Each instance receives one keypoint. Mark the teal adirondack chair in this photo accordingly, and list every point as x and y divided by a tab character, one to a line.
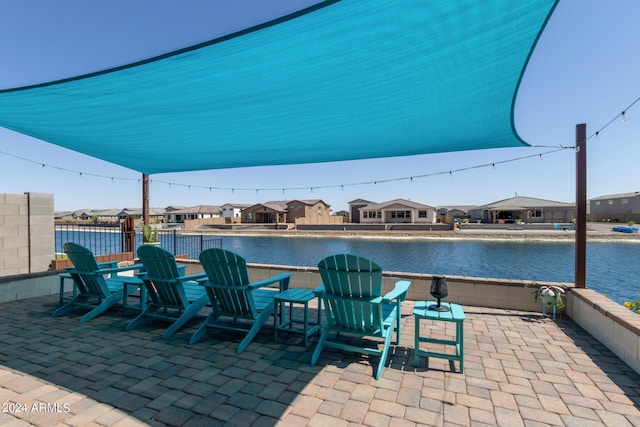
232	295
96	288
172	297
352	294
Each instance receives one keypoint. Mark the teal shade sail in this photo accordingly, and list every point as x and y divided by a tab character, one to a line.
344	80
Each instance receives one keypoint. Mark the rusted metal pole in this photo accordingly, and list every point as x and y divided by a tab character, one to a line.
145	198
581	206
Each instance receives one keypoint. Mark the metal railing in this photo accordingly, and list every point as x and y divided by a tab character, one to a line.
104	240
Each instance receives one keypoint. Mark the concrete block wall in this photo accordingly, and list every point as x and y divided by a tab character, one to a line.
481	292
13	288
27	241
615	326
474	291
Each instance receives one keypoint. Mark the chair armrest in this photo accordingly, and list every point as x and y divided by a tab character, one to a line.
399	292
283	278
108	264
319	290
119	269
192	277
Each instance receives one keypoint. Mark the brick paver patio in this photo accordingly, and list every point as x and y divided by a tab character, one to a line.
520	370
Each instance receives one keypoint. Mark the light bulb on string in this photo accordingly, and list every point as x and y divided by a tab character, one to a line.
598	135
624	116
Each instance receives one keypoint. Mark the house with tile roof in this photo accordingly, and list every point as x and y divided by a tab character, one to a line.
524	209
194	212
398	211
285	211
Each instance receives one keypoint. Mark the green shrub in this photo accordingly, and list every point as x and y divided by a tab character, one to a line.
149	234
633	306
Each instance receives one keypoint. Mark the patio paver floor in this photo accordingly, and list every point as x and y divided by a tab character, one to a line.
520	370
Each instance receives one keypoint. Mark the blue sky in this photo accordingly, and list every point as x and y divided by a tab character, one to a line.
584	70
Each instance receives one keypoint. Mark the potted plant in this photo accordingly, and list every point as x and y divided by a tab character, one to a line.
550	296
149	235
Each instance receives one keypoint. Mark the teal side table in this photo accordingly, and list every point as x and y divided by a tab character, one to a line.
282	323
421	312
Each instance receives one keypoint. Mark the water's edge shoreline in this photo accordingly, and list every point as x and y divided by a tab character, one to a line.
593	235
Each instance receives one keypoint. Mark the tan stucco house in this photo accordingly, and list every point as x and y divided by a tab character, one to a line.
398	211
194	212
524	209
285	211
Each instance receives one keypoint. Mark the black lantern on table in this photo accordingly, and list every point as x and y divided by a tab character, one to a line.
439	290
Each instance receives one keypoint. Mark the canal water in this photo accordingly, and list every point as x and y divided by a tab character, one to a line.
613	267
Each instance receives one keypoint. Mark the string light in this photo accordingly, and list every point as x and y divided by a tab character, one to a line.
622	115
284	189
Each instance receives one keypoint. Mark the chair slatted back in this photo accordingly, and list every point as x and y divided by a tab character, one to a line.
162	273
351	283
84	272
227	271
